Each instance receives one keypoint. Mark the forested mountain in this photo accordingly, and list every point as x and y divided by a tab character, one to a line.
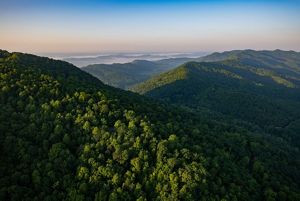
126	75
258	87
66	136
276	59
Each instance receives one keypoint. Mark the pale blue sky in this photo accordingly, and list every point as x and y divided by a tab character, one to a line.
164	26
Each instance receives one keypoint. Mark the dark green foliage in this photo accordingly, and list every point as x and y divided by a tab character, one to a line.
66	136
246	87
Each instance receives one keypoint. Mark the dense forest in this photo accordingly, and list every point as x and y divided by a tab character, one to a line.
261	88
66	136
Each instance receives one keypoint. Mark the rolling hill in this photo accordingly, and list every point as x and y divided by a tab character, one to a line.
65	135
277	59
262	88
126	75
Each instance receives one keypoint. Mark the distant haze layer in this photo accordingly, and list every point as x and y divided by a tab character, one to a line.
84	60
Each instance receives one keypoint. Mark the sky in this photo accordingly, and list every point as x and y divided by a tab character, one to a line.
86	26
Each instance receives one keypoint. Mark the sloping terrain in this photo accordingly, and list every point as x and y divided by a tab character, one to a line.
283	61
64	135
126	75
249	88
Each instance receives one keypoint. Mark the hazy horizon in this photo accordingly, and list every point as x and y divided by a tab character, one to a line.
84	27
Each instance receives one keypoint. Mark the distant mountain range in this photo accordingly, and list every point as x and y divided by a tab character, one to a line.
127	75
112	58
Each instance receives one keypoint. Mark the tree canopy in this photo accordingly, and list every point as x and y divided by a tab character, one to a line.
66	136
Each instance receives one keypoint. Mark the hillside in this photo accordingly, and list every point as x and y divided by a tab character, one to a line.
248	88
65	135
283	61
126	75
